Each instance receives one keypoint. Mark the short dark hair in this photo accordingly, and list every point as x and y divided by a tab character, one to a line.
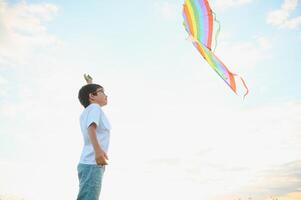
83	94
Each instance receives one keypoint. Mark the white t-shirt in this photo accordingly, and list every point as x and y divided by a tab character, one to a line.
94	113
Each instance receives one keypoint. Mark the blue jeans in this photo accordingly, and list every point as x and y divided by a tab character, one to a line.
90	179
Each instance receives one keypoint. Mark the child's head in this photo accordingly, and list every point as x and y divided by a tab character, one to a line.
92	93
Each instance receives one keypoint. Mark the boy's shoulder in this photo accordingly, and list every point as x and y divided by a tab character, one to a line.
93	106
92	109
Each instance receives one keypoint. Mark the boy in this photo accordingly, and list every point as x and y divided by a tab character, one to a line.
95	129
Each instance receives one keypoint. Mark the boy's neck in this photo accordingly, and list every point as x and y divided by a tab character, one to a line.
91	102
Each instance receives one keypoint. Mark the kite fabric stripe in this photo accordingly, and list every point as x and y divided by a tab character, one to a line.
198	22
217	65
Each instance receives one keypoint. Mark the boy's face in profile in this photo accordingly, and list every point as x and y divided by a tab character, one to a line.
99	97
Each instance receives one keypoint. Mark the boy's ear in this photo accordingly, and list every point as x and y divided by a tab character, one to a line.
91	96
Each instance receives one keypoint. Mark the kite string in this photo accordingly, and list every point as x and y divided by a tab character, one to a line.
244	84
217	32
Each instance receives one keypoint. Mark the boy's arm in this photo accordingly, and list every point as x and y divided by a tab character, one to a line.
100	155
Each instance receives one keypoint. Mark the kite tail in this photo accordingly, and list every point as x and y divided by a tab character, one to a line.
244	84
217	32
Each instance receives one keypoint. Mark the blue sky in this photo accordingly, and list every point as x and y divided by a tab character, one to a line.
177	127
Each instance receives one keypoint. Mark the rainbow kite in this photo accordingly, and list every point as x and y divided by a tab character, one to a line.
198	22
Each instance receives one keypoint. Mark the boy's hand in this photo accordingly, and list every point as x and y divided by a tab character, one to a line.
88	78
101	157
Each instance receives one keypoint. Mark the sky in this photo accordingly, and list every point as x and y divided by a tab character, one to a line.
178	131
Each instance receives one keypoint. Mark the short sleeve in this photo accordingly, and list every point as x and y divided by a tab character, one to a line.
93	116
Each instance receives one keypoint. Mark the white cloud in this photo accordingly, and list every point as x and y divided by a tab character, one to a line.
3	86
10	197
213	156
223	4
278	180
293	23
167	10
290	196
250	53
23	30
251	147
280	17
